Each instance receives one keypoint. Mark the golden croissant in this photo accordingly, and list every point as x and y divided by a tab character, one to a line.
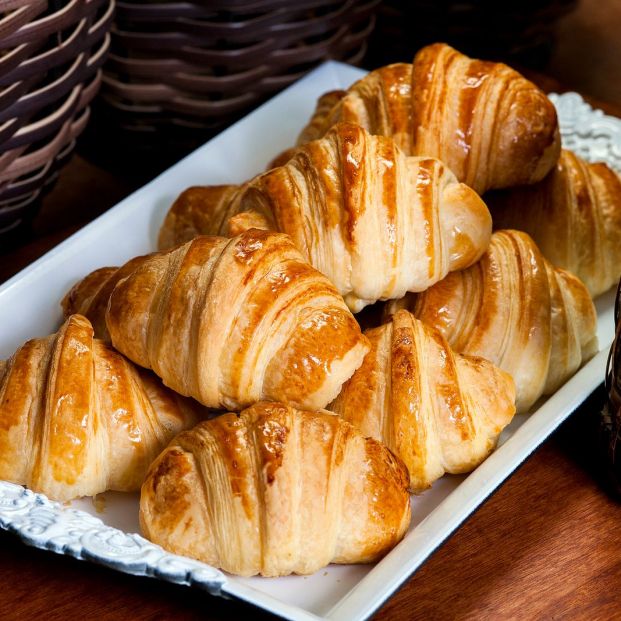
376	222
315	128
90	296
574	216
534	321
275	491
77	419
491	126
234	321
437	410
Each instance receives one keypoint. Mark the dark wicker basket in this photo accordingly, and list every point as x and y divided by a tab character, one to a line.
50	59
611	419
180	71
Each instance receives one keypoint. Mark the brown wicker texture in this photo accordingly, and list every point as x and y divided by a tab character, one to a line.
613	369
50	59
611	419
201	64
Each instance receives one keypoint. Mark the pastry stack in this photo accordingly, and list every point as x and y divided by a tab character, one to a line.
227	374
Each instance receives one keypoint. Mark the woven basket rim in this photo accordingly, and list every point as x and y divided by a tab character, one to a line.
158	59
46	87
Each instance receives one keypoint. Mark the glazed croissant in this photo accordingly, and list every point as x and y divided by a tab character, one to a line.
315	128
375	222
437	410
90	296
202	210
534	321
77	419
490	125
275	491
574	216
234	321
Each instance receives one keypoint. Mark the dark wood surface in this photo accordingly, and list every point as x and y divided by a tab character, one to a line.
544	546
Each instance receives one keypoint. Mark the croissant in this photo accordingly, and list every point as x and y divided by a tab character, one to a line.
275	491
77	419
375	222
491	126
574	216
190	217
313	129
534	321
437	410
234	321
90	296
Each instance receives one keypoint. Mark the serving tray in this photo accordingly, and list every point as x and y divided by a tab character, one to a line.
104	530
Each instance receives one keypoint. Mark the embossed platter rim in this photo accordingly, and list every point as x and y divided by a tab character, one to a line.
29	307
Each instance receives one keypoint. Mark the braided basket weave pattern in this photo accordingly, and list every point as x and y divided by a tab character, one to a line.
202	64
50	69
611	421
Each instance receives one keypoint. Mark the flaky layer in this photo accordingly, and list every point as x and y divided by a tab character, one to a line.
437	410
77	419
234	321
513	308
376	222
275	491
89	297
574	216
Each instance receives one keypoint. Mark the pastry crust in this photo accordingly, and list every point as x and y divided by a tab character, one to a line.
532	320
437	410
275	491
233	321
574	216
375	222
188	217
89	297
491	126
313	129
77	419
505	132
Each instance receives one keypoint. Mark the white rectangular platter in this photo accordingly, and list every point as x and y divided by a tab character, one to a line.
29	307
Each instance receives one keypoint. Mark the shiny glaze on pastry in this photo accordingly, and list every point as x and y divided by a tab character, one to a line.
77	419
491	126
89	297
325	103
437	410
233	321
275	491
534	321
376	222
574	216
188	218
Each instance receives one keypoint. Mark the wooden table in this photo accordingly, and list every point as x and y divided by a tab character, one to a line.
544	546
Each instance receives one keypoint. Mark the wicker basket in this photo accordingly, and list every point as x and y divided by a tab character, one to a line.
50	59
187	69
611	419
